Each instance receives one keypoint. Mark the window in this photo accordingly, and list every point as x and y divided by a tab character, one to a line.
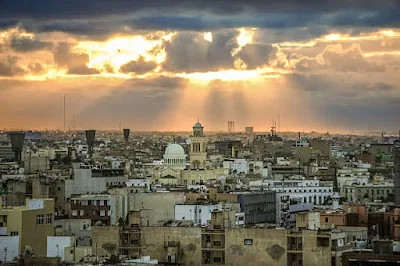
15	233
326	219
248	242
40	219
216	259
49	218
217	243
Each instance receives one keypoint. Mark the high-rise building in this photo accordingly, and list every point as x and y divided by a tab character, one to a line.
396	170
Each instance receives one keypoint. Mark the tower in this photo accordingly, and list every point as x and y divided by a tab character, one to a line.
17	143
90	139
198	147
126	134
231	126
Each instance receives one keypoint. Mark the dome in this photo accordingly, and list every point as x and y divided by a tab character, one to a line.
174	149
198	125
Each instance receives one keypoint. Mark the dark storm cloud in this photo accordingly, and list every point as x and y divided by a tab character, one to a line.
189	52
76	63
9	67
25	44
141	101
100	18
46	9
139	66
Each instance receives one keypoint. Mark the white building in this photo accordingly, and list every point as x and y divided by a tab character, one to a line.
175	157
242	166
201	214
295	195
348	176
9	247
87	180
56	245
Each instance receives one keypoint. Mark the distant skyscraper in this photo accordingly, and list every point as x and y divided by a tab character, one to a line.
396	158
231	126
248	130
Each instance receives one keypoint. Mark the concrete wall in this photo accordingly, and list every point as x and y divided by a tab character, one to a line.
153	239
313	253
155	207
104	235
268	248
56	245
12	245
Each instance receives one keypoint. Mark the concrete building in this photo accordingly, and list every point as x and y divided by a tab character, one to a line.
6	151
201	214
9	248
34	163
396	170
155	208
258	207
105	208
56	245
90	180
350	175
79	228
198	145
360	192
33	223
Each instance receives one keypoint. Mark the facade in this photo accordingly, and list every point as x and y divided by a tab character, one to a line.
105	208
33	223
396	170
87	180
155	208
6	150
198	145
80	228
201	214
357	192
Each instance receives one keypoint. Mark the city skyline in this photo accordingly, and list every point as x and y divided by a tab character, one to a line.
159	65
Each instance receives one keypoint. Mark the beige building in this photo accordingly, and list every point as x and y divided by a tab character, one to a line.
198	148
33	223
155	208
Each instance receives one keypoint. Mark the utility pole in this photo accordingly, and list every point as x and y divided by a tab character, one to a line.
64	112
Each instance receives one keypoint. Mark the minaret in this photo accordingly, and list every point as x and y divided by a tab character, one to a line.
198	147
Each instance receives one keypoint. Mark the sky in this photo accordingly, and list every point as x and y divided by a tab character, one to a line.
162	65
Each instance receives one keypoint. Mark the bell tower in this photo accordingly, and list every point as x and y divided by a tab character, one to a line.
198	147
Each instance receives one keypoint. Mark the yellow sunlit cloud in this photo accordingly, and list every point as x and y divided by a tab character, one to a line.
207	36
245	37
120	50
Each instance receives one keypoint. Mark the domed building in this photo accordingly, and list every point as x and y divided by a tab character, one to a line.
175	157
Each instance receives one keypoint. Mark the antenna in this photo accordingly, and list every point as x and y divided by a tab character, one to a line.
64	112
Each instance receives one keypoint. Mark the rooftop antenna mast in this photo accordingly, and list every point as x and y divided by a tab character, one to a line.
64	112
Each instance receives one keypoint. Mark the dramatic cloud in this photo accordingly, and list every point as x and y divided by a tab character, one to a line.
25	44
190	52
76	63
9	67
162	64
139	66
338	59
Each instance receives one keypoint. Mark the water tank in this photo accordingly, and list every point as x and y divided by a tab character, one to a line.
90	138
17	143
126	134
